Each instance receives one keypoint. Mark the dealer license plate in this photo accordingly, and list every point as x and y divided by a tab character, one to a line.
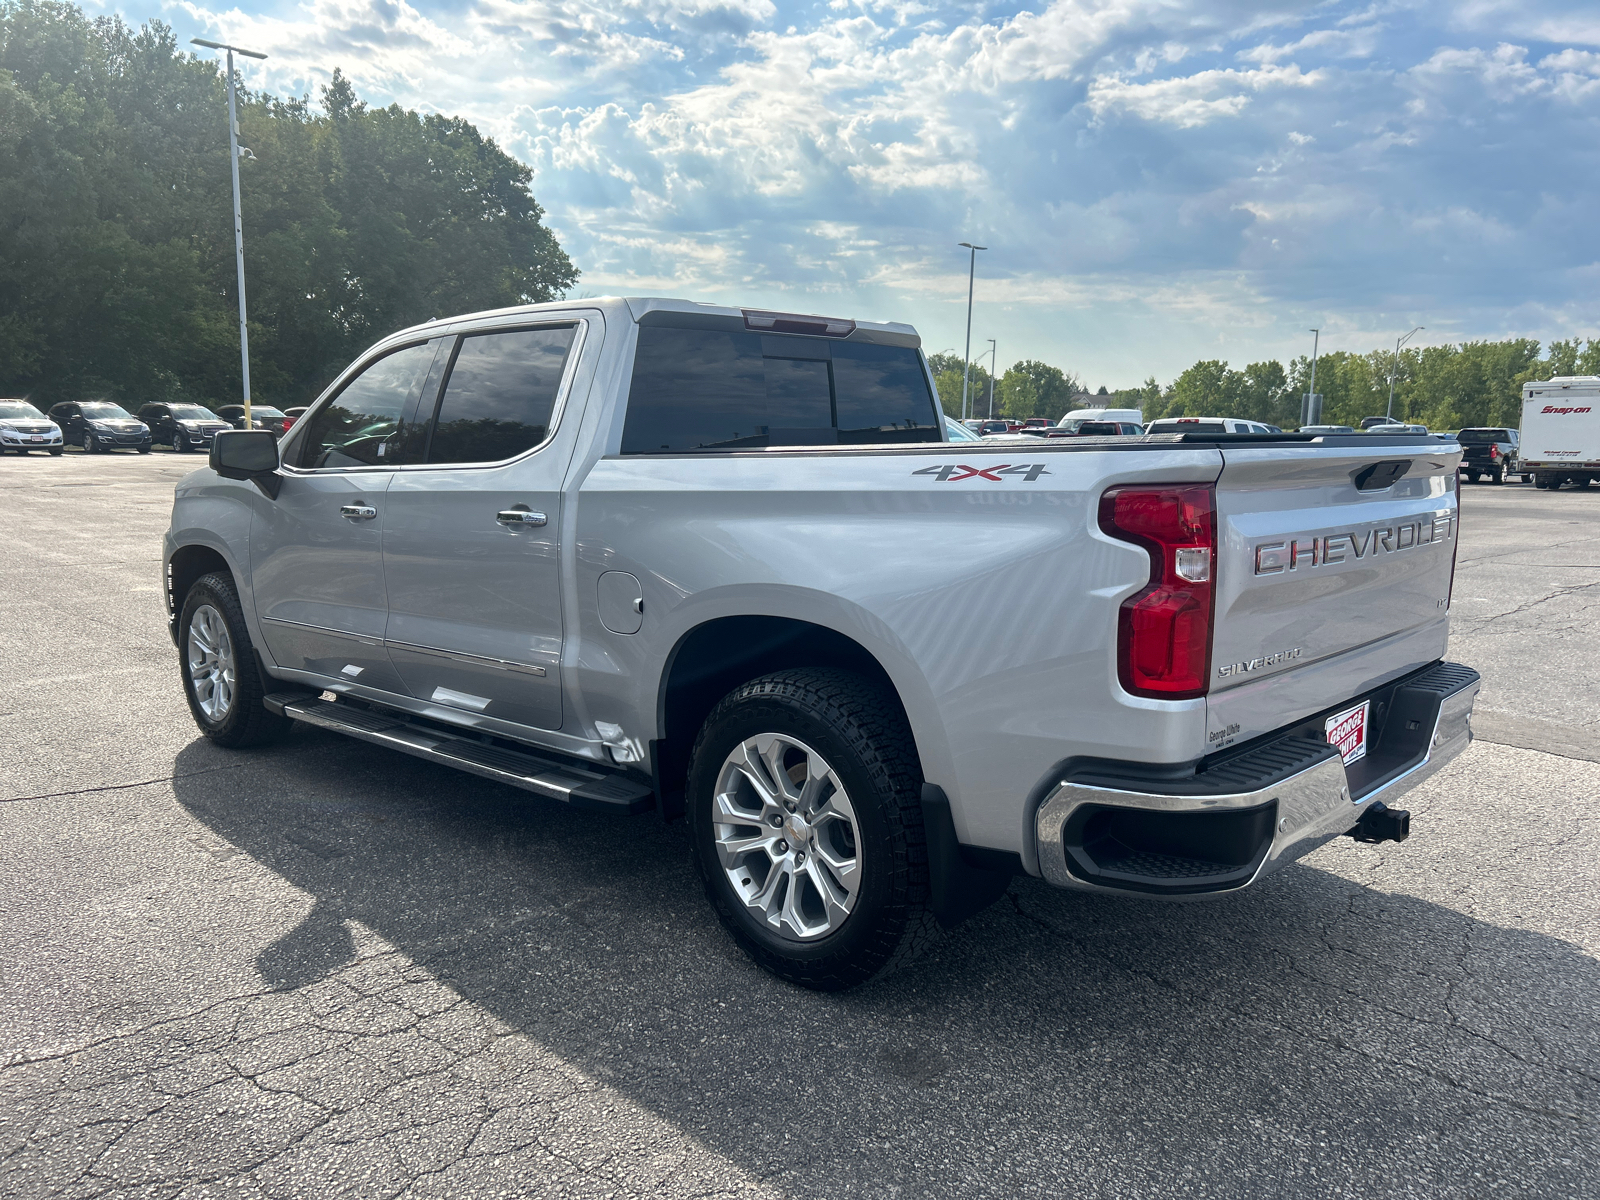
38	437
1347	732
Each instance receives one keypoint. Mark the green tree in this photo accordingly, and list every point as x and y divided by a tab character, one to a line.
1036	389
1019	395
1207	389
1146	399
116	243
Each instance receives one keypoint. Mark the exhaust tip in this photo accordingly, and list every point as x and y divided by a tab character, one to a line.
1380	823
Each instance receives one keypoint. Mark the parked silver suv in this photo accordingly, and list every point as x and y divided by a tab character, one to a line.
724	563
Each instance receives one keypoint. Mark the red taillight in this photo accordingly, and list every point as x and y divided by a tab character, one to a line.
1164	634
1494	453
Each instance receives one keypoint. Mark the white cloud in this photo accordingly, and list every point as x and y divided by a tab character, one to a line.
1193	100
1155	176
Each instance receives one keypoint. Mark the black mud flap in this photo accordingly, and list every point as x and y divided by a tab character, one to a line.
960	889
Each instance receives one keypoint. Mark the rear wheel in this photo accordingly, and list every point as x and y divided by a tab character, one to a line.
221	680
1497	477
805	814
1474	476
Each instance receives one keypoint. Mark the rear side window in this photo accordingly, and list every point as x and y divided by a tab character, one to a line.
500	394
696	389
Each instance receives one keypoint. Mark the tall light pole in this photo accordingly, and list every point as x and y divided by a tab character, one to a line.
238	218
966	366
1311	396
1395	366
994	369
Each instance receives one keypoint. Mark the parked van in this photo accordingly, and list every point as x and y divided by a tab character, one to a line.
1561	431
1078	416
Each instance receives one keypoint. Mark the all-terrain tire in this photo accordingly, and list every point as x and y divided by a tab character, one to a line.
247	721
861	732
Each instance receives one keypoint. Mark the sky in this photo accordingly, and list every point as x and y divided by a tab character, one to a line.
1156	182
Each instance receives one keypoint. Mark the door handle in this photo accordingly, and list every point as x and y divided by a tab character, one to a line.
520	516
358	512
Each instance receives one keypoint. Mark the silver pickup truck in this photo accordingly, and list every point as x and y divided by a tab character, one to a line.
724	564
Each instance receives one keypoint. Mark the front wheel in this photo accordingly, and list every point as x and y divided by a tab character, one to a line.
220	677
55	451
805	815
91	444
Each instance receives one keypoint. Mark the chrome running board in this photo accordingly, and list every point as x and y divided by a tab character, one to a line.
566	782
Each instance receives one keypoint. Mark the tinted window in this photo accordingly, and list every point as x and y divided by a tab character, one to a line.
883	394
1483	436
500	394
702	389
1182	426
354	429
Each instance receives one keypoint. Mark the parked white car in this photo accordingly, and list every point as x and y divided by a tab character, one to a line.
23	427
1207	425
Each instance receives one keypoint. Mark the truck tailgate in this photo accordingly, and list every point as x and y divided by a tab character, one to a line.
1333	574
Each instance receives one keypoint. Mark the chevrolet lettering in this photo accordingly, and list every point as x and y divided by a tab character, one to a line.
727	565
1318	550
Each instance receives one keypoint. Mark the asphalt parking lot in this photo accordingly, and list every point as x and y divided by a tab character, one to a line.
328	969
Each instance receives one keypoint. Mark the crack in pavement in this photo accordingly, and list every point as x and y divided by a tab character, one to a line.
1332	1040
120	787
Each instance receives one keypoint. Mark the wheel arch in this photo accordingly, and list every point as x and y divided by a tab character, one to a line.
186	565
715	656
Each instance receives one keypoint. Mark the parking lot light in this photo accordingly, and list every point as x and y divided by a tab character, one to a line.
1394	367
238	220
966	366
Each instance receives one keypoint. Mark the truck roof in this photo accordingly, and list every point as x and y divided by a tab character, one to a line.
1562	383
642	309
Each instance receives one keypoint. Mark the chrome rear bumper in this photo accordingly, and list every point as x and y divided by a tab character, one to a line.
1239	817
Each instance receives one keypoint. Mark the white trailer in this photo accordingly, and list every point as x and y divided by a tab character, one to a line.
1560	440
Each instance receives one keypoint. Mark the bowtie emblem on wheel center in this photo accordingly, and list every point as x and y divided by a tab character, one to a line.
799	832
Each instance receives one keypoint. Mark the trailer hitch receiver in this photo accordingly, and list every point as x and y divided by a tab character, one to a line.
1380	823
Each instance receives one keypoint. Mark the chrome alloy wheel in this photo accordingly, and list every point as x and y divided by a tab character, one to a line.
786	836
211	665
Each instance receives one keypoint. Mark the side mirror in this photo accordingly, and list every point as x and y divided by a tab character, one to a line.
247	454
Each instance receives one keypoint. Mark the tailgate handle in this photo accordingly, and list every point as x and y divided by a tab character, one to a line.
1380	475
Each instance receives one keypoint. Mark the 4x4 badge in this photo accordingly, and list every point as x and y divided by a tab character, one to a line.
947	474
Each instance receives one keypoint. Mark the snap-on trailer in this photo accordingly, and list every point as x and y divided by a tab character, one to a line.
1561	430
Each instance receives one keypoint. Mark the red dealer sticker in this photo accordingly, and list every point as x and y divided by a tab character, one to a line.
1347	732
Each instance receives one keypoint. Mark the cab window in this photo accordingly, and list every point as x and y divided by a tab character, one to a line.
356	427
500	395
